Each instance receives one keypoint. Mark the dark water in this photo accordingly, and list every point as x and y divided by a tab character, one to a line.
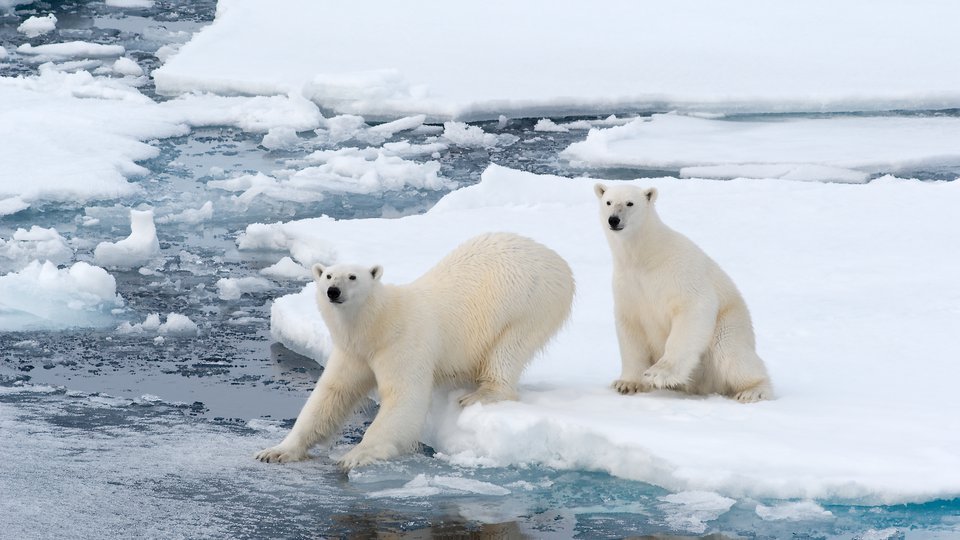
118	435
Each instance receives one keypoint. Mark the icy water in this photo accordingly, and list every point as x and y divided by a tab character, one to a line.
123	435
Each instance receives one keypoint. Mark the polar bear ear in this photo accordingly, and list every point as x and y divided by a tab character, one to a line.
317	271
651	194
376	272
599	189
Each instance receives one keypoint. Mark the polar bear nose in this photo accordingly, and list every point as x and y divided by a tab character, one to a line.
333	293
614	221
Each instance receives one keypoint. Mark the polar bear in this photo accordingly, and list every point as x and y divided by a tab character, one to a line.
478	316
681	322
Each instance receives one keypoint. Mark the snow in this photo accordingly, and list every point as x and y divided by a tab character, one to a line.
793	511
37	26
135	250
42	296
853	296
839	149
234	288
57	145
746	56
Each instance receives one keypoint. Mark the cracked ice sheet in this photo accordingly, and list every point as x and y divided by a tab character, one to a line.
853	294
838	149
472	60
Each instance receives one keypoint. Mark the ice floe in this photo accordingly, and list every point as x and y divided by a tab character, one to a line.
839	149
37	26
749	56
847	284
135	250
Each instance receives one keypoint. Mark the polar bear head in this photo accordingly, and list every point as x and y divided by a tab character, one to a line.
624	206
345	284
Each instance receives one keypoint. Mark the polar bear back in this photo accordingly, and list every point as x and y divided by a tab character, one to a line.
490	284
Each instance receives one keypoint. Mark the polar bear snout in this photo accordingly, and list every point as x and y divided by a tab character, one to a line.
333	293
614	222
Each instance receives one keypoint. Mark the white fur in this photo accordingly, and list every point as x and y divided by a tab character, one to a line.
681	321
478	316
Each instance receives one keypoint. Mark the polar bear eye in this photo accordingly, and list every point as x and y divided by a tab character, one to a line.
629	204
353	277
329	276
608	203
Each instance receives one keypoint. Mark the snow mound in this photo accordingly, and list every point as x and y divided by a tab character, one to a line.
44	297
746	56
135	250
869	288
37	26
286	268
839	149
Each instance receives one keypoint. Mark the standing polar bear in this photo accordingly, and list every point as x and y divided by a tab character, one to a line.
479	315
681	321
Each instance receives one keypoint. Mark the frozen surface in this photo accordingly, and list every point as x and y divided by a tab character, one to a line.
746	55
42	296
135	250
71	49
838	149
868	289
37	26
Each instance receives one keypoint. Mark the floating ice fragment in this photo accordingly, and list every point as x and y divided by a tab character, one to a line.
793	511
280	138
546	124
175	325
190	216
36	244
690	510
234	288
127	67
467	136
72	49
134	250
286	268
132	4
37	26
41	296
423	486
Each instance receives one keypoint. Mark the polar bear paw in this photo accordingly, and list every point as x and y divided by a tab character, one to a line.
365	455
752	395
625	386
281	454
487	395
658	376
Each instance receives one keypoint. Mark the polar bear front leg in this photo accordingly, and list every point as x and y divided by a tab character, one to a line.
691	331
404	401
635	357
340	387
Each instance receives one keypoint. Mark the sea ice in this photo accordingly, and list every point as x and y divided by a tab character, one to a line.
135	250
37	243
133	4
793	511
127	67
690	510
190	216
42	296
234	288
286	268
748	56
175	325
839	149
71	49
846	285
37	26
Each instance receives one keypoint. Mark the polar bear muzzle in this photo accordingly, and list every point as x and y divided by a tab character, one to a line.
333	293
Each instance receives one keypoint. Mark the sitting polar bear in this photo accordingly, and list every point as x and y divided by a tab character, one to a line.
479	315
681	321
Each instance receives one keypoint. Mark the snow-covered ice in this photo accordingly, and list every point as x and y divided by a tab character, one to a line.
176	324
839	149
847	284
286	268
538	58
71	49
37	26
37	243
130	4
234	288
135	250
793	511
42	296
